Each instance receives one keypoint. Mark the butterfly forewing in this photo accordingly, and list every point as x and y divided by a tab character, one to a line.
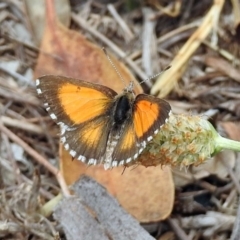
88	141
149	114
72	101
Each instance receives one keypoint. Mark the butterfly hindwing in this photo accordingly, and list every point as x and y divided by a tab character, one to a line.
88	141
126	147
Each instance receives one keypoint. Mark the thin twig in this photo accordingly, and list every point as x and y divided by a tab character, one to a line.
177	229
15	167
149	49
21	124
17	76
84	25
232	175
128	35
38	158
16	96
170	78
236	228
46	130
177	31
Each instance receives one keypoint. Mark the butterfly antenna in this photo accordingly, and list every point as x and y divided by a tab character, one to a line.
150	78
113	65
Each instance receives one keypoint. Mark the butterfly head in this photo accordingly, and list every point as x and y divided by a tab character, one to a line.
128	90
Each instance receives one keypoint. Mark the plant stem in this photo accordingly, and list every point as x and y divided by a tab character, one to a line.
224	143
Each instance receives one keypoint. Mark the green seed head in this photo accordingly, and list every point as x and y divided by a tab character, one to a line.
183	140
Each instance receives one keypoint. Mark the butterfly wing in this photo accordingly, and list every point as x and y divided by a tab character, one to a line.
81	109
148	115
127	146
73	101
88	142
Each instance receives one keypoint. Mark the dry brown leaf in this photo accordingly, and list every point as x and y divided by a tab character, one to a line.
167	236
36	14
223	66
236	11
66	52
232	129
147	193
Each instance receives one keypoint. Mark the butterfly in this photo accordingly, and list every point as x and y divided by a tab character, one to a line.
97	124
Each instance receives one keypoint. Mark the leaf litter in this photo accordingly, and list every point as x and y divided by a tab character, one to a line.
204	79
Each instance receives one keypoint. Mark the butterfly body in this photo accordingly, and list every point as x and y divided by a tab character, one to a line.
97	124
122	109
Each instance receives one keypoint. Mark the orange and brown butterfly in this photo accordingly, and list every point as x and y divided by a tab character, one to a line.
97	124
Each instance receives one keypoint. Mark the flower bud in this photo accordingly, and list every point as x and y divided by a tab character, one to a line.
183	140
